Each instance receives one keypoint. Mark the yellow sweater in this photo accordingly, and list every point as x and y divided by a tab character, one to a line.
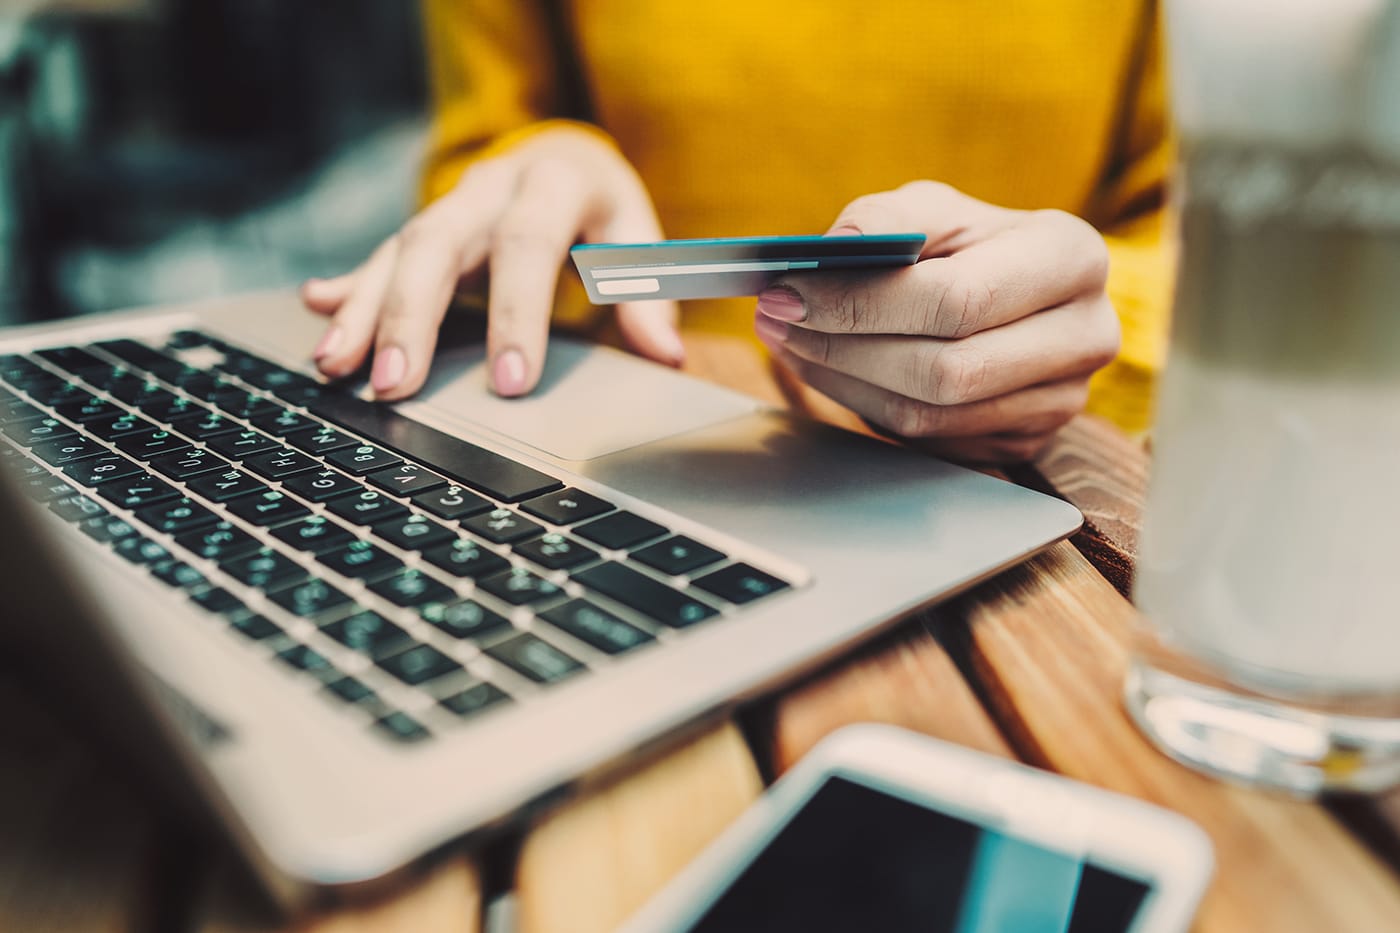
747	118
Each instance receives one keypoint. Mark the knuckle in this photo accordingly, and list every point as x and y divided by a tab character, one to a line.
910	417
1017	449
928	188
957	375
962	307
1090	248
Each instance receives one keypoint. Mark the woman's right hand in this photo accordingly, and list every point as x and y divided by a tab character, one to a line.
514	216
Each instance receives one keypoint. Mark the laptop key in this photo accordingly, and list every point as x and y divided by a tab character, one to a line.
140	356
193	461
74	359
620	530
264	568
44	488
361	560
137	492
322	486
321	441
205	425
519	586
103	468
677	555
465	558
240	403
31	432
463	618
402	727
178	574
105	529
282	422
536	659
219	600
349	689
418	664
474	699
413	532
566	506
406	479
267	509
315	534
502	526
369	507
141	550
68	450
649	597
740	583
308	659
362	459
87	408
178	517
459	460
226	485
594	625
369	633
556	552
452	503
280	463
150	444
412	588
219	542
168	408
256	627
309	597
123	425
242	444
75	508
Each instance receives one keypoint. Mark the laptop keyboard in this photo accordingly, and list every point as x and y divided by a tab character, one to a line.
416	580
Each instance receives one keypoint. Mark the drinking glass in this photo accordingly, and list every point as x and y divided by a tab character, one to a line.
1269	577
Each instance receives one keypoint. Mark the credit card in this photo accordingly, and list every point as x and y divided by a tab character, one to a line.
729	266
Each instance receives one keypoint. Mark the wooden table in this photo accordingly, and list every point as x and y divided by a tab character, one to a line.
1028	665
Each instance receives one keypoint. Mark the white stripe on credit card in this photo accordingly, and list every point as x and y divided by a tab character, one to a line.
781	265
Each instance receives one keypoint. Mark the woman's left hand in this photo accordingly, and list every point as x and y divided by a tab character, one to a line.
981	350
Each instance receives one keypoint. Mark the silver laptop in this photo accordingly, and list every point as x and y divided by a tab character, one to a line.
359	633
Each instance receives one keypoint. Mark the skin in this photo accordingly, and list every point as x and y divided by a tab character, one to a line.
978	352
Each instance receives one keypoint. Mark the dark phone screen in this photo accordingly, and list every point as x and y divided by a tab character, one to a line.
858	859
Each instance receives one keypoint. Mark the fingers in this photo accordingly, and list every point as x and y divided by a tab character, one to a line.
1030	411
1044	259
348	339
528	249
949	219
1069	341
436	249
325	296
649	327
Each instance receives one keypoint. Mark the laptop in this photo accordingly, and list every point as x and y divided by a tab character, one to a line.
355	634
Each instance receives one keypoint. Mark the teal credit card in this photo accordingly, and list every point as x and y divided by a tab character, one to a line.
725	267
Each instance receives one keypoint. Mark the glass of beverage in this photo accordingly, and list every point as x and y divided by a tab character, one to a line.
1269	577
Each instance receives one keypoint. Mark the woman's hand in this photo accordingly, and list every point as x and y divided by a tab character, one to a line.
514	216
981	350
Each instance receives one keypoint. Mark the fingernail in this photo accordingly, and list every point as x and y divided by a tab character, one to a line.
390	365
782	303
329	341
508	373
770	330
844	230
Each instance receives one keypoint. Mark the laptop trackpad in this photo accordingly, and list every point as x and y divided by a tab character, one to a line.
591	401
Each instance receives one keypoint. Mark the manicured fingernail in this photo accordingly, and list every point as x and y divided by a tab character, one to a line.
844	230
770	330
508	373
329	341
782	303
390	365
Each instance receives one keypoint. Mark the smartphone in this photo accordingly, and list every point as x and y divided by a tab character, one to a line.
878	828
725	267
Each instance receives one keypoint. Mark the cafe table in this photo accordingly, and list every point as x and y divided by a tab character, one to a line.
1028	665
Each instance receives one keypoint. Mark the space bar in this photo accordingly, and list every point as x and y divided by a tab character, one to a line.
466	463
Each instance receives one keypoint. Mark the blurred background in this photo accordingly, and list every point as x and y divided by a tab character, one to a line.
162	150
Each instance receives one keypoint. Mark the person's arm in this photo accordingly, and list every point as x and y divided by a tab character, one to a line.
1131	211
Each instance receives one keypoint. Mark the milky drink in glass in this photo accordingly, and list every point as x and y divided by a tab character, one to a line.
1270	571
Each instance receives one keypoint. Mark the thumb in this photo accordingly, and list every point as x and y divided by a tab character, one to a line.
949	220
